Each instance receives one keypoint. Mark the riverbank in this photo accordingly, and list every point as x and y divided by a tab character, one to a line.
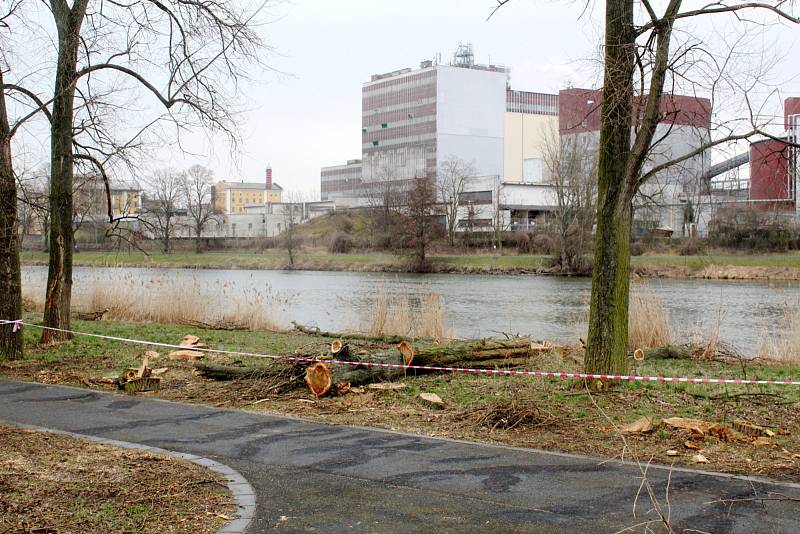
549	414
720	267
99	488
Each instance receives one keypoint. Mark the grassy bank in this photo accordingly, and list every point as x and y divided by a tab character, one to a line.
722	266
55	483
541	413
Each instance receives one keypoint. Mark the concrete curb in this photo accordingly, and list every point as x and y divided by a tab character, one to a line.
244	496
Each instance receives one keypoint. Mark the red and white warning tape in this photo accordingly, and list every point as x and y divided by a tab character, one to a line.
511	372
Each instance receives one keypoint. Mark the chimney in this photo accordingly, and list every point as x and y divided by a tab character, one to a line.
269	177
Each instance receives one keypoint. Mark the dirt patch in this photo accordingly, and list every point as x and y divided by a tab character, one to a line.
51	483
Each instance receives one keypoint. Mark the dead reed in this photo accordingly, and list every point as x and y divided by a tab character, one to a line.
783	346
413	316
163	299
648	320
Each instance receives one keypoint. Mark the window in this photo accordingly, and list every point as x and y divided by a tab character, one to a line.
475	197
375	143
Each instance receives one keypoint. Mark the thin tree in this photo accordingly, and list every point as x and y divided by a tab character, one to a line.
454	173
196	189
162	206
572	168
10	275
292	216
182	53
420	210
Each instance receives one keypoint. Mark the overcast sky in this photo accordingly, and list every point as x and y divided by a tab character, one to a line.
307	112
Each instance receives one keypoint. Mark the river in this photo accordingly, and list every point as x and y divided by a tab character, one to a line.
551	308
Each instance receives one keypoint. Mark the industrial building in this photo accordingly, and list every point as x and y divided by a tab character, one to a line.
413	120
231	197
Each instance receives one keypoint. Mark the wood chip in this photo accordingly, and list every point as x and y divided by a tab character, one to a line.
699	459
761	441
641	425
185	355
387	386
672	452
691	445
432	400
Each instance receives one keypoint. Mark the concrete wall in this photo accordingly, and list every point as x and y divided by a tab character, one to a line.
527	137
470	117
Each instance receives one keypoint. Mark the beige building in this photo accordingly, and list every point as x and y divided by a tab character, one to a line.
531	125
232	197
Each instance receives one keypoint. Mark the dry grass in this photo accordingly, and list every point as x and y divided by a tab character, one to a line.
53	483
163	299
411	316
785	345
648	320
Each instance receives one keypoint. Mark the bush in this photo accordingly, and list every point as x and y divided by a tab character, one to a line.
750	228
692	247
638	248
537	242
341	243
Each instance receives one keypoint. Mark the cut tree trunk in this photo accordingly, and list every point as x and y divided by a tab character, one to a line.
10	281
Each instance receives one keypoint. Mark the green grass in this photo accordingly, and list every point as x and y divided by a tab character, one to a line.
378	261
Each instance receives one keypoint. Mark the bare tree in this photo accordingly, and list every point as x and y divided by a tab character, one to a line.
420	210
10	275
385	194
572	166
196	189
162	207
453	176
180	53
292	216
642	58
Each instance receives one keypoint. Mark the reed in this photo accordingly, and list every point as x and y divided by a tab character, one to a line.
783	346
412	316
648	320
162	299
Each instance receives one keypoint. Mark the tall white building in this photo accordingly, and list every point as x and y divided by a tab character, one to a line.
413	120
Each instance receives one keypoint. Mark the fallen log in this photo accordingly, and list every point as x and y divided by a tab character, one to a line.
215	371
315	331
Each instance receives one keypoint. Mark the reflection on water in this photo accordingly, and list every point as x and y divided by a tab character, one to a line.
478	305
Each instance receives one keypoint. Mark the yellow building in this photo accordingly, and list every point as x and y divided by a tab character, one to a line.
232	197
531	130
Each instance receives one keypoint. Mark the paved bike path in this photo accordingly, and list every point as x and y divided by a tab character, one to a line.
315	477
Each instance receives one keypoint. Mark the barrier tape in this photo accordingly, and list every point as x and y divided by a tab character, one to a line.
507	372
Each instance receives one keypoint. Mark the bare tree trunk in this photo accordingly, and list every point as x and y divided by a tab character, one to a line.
197	248
608	316
59	276
10	279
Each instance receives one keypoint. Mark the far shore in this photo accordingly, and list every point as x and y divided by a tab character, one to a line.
716	267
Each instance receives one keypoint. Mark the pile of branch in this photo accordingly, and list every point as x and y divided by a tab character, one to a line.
140	379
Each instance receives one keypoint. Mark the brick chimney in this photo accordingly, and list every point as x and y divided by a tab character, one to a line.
269	177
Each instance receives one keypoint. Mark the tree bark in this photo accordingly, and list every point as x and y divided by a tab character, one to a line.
608	314
10	279
59	276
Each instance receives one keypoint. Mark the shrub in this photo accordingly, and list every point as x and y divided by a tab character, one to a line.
692	247
537	242
638	248
341	243
750	228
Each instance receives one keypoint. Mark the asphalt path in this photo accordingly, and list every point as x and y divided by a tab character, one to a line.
316	477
